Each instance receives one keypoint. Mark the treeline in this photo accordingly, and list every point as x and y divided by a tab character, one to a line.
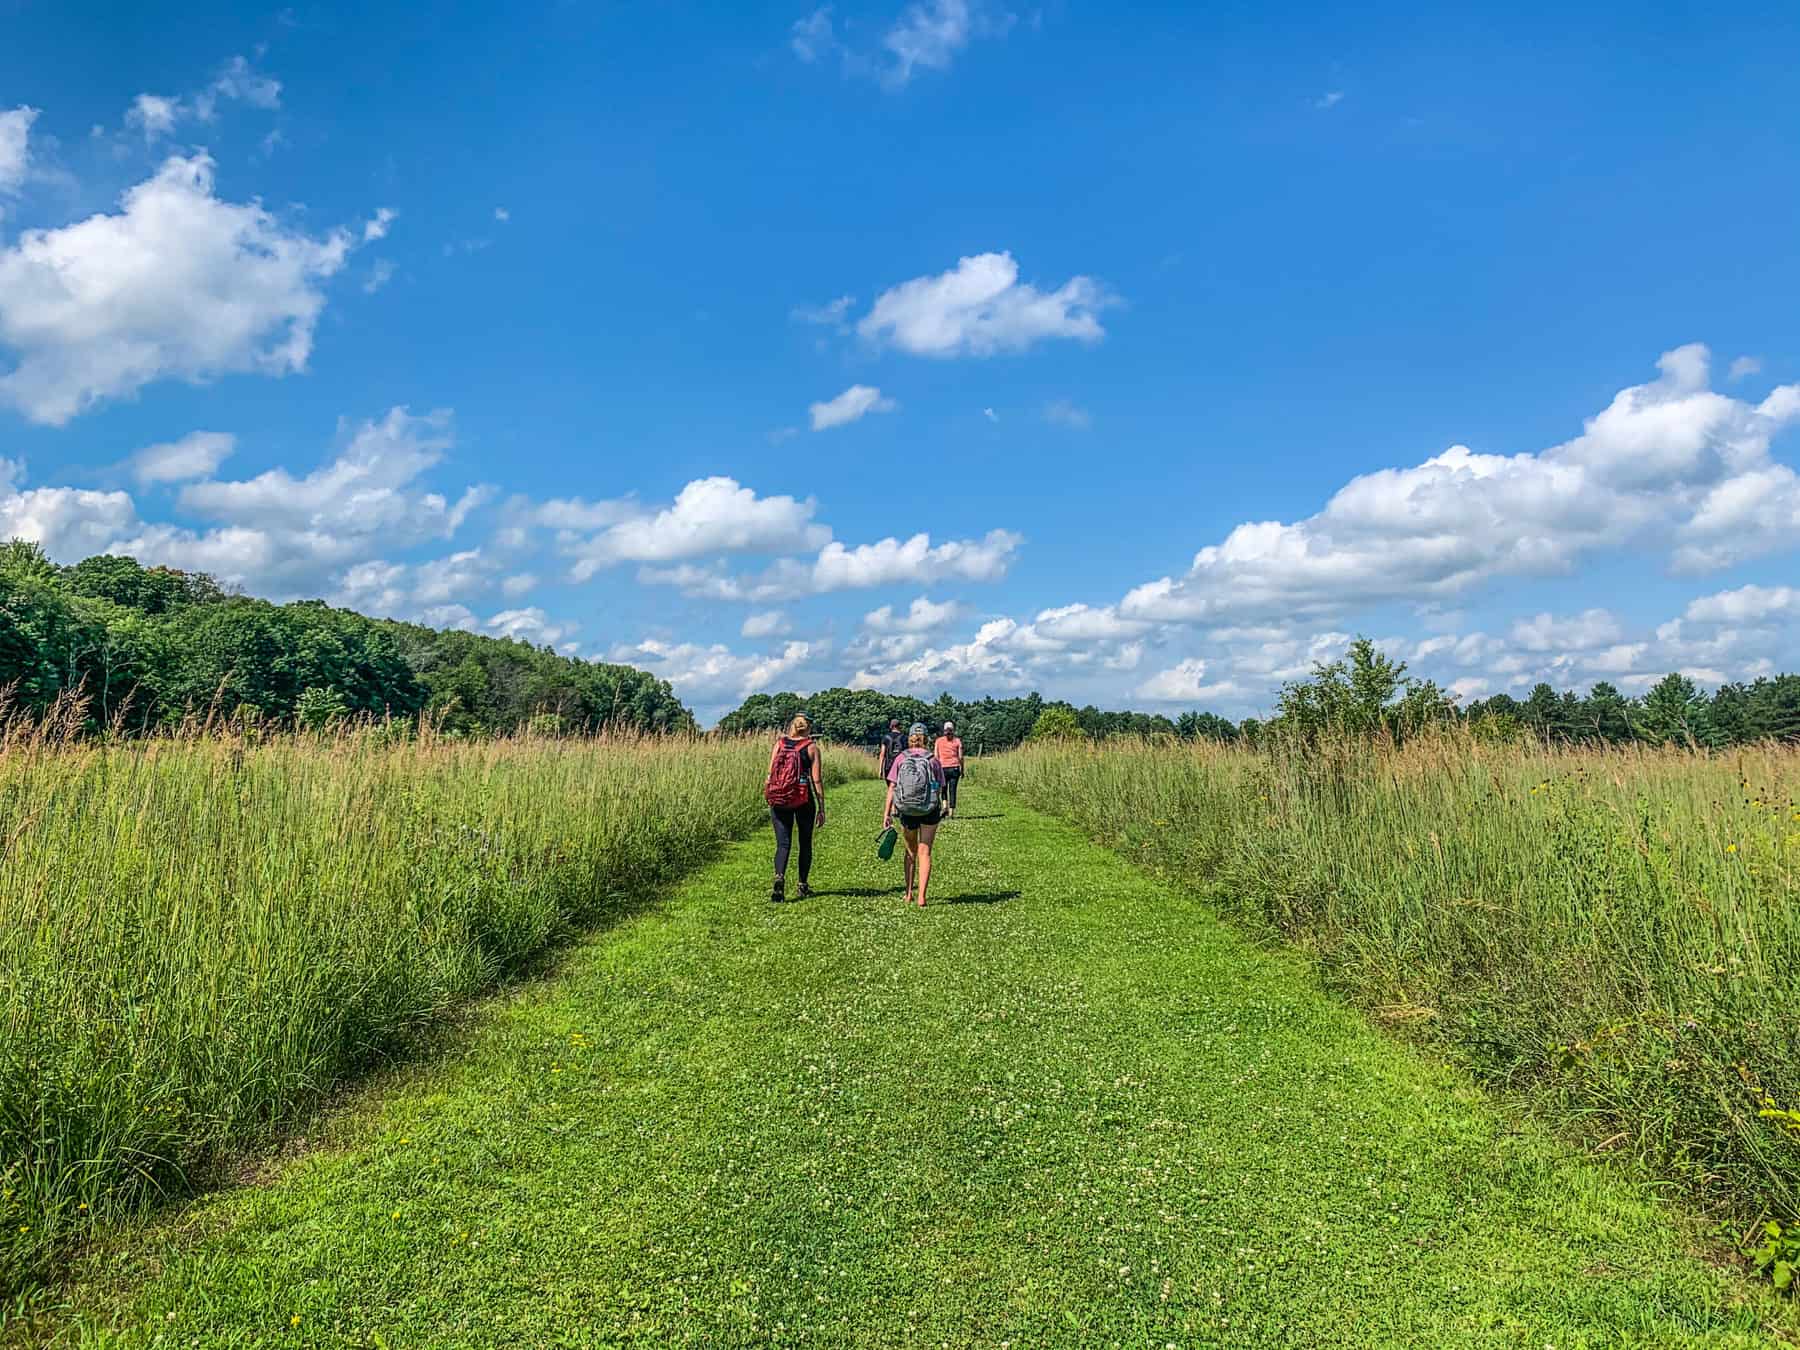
1364	693
1367	692
860	717
1674	709
149	647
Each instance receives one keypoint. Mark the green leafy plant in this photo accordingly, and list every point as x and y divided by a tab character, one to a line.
1779	1255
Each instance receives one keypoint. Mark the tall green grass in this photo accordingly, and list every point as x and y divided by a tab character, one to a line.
199	938
1616	932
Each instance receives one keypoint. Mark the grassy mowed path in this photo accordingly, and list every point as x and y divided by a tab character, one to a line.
1063	1105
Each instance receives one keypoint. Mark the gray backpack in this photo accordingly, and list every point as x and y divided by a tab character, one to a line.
915	786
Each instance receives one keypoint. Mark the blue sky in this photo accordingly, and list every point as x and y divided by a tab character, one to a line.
938	345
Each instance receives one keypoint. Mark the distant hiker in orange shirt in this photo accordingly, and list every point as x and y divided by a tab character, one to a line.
948	752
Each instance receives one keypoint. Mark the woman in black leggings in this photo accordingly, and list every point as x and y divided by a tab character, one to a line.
806	817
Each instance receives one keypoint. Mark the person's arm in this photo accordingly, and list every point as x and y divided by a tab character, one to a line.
818	782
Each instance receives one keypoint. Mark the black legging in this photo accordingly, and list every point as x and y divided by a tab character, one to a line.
785	818
951	778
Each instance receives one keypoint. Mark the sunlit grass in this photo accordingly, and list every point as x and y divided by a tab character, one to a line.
1061	1106
198	938
1618	932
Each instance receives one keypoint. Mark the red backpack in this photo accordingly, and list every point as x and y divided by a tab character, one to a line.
787	785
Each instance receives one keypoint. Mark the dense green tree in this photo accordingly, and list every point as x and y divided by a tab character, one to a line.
1775	708
24	560
1608	712
1728	715
1363	693
1674	712
151	646
1543	713
1191	726
1057	722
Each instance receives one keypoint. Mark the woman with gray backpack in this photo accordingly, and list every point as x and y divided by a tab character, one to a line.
915	797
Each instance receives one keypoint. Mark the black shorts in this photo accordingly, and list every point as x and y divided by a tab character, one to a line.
913	822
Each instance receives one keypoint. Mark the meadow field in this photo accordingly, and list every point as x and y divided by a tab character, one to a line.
1616	933
688	1129
200	938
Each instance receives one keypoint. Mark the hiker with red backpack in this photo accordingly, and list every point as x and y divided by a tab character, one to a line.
915	796
795	792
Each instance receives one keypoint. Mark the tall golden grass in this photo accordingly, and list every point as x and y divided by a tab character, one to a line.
201	936
1617	932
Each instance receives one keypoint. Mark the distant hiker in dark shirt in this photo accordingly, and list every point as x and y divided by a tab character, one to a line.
795	792
892	745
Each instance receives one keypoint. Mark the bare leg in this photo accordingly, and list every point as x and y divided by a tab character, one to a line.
927	833
912	859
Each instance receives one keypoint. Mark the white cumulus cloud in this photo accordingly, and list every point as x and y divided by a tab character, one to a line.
854	403
812	38
927	35
1746	605
980	308
764	623
1670	460
178	284
1185	682
531	625
157	115
924	615
840	567
378	225
709	516
891	561
701	672
196	455
278	534
15	146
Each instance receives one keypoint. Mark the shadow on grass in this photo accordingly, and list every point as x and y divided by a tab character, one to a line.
979	898
970	815
855	892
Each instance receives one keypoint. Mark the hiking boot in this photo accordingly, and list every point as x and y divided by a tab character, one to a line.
804	893
778	892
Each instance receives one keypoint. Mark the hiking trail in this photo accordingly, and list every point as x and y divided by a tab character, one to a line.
1062	1105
